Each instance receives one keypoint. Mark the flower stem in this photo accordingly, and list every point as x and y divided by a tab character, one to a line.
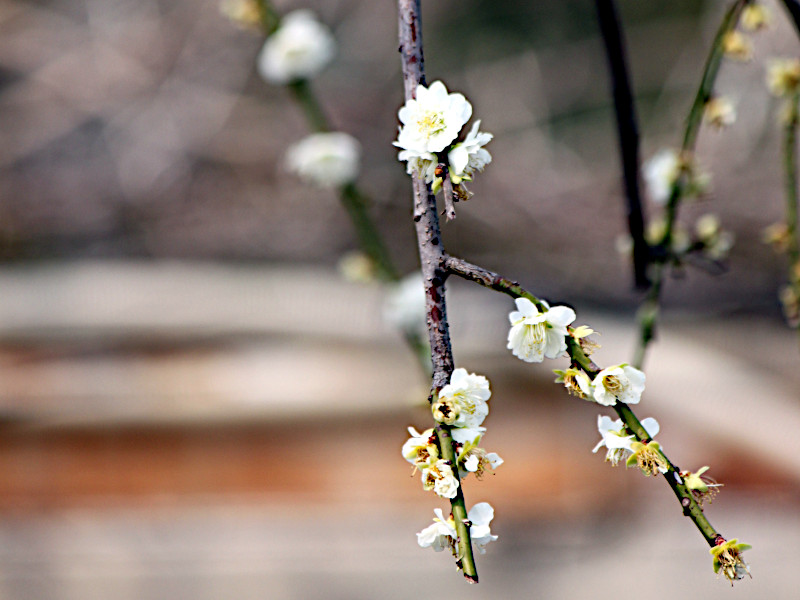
648	313
691	508
431	252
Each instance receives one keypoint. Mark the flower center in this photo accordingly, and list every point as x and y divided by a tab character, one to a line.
431	123
612	384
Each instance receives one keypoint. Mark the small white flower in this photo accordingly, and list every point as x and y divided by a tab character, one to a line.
469	156
440	478
616	438
621	383
432	120
470	392
478	460
660	174
299	49
325	159
534	335
418	449
480	516
404	306
442	533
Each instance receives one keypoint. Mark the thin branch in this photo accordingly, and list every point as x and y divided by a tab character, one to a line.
689	505
430	253
627	133
792	201
648	313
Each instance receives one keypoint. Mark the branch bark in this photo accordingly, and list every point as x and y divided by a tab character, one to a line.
431	253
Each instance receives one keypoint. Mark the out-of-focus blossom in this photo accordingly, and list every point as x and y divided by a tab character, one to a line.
325	159
299	49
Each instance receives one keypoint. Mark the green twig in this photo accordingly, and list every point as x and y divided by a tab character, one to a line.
691	508
648	313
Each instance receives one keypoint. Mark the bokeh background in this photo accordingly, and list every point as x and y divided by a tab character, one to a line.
195	404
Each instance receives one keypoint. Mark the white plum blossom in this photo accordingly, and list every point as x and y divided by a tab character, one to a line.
535	334
440	478
617	439
299	49
404	306
325	159
418	449
432	120
621	383
477	460
480	516
442	533
469	156
469	392
660	173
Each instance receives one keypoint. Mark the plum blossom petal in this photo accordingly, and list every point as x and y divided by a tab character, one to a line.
432	120
535	335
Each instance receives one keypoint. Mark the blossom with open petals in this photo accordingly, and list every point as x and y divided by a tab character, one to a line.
480	516
621	383
617	439
299	49
470	392
470	155
536	334
440	478
420	449
432	120
442	533
325	159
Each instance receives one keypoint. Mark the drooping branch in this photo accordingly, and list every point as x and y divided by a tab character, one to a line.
648	312
579	358
627	133
431	252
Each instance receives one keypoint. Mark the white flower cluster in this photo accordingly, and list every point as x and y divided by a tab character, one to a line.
461	404
432	122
